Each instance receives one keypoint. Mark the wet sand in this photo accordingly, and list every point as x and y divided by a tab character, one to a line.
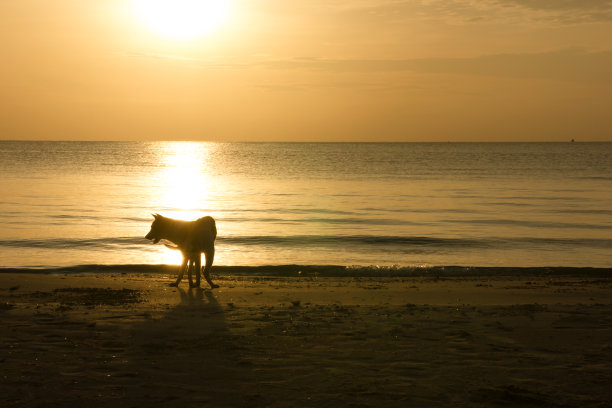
129	340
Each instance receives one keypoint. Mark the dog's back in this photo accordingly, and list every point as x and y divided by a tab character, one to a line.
198	235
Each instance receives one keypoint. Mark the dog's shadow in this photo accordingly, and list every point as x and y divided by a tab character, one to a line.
189	354
195	298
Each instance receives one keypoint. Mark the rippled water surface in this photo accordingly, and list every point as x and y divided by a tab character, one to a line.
480	204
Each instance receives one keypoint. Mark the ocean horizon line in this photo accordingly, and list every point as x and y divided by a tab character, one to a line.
306	141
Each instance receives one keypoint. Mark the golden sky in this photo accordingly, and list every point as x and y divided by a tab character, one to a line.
317	70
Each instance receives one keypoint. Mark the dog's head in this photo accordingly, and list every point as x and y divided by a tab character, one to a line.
155	233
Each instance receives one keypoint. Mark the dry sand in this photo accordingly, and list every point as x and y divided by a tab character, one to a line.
129	340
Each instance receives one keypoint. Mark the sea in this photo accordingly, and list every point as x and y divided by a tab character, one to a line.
355	206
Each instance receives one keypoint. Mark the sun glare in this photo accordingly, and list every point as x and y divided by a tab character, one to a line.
182	19
184	185
185	178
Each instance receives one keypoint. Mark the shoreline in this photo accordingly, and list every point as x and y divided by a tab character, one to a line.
122	340
339	271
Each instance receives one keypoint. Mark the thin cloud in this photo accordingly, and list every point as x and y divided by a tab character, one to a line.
570	64
566	11
600	5
216	63
471	11
567	64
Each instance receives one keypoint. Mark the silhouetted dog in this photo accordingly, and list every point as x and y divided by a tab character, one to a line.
191	238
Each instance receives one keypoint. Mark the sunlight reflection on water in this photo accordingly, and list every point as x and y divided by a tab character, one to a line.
184	179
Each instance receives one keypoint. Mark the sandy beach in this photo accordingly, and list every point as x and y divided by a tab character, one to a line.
129	340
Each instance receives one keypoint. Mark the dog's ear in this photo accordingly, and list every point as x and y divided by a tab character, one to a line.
156	216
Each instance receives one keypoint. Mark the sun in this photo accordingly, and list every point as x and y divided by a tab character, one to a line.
182	20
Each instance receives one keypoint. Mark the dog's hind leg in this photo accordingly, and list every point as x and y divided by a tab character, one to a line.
184	266
210	256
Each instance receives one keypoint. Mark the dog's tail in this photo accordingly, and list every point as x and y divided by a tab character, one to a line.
172	246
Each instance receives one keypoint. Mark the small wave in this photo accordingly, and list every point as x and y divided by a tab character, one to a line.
327	221
283	210
73	243
331	241
266	240
581	211
406	241
534	224
606	178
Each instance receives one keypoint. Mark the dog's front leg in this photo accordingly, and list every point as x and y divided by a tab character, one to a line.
190	271
197	259
181	271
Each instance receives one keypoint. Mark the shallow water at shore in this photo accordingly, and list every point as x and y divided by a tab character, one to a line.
326	271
